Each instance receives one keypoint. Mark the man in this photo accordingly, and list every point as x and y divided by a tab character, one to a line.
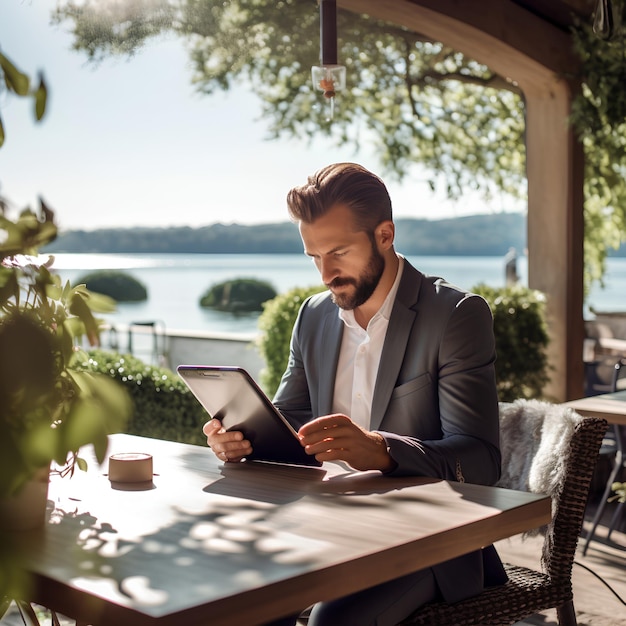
389	370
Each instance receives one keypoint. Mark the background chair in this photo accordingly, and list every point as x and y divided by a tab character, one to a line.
613	444
550	449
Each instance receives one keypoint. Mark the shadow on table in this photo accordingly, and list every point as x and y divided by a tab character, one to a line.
265	482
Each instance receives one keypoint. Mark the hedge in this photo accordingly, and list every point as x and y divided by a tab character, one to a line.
164	408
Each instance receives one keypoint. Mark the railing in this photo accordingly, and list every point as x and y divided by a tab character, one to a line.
154	344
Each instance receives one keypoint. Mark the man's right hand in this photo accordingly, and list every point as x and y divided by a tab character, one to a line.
229	446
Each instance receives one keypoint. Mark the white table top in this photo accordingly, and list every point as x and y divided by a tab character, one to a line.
610	406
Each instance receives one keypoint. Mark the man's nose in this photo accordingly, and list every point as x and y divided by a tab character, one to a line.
327	270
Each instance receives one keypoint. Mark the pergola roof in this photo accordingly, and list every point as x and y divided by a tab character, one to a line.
529	42
559	12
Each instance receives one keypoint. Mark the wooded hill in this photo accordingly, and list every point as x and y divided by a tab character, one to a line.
476	235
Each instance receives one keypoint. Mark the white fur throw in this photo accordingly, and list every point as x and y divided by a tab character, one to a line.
534	441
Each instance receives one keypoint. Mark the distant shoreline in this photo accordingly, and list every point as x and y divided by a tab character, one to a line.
478	235
490	235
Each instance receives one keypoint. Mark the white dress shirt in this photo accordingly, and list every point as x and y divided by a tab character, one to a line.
359	358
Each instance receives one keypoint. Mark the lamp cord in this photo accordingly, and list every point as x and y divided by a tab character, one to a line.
601	580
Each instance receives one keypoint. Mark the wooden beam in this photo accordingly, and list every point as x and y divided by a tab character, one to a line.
555	233
498	33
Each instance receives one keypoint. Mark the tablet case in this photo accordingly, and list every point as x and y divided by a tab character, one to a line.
231	395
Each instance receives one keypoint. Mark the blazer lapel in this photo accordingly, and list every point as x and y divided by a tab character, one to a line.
400	325
330	337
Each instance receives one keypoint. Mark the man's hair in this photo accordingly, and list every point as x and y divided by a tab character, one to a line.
348	184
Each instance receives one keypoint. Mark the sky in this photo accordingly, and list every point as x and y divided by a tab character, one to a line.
129	143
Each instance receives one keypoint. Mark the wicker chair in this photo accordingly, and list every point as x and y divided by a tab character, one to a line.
528	591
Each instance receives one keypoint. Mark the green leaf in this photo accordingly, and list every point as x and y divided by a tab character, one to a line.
103	407
1	133
80	308
15	80
66	341
65	293
98	302
106	395
79	428
41	96
9	285
40	444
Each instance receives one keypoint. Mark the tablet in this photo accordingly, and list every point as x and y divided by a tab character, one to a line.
231	395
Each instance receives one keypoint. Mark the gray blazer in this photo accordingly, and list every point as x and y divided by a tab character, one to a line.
435	399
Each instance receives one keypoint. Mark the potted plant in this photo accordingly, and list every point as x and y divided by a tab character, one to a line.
48	409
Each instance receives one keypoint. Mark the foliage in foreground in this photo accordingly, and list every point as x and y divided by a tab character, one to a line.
163	406
47	409
15	82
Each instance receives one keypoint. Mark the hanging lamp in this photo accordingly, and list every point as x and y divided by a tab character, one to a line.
603	22
328	77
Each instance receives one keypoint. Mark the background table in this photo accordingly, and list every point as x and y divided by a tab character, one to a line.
208	543
610	406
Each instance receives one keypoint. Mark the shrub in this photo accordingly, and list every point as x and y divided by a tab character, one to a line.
117	285
238	295
164	408
519	323
276	323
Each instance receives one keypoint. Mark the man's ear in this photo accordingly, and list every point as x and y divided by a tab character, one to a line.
385	233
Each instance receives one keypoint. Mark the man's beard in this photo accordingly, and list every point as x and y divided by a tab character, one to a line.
364	285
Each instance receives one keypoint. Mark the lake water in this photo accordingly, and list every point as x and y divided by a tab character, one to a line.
175	282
